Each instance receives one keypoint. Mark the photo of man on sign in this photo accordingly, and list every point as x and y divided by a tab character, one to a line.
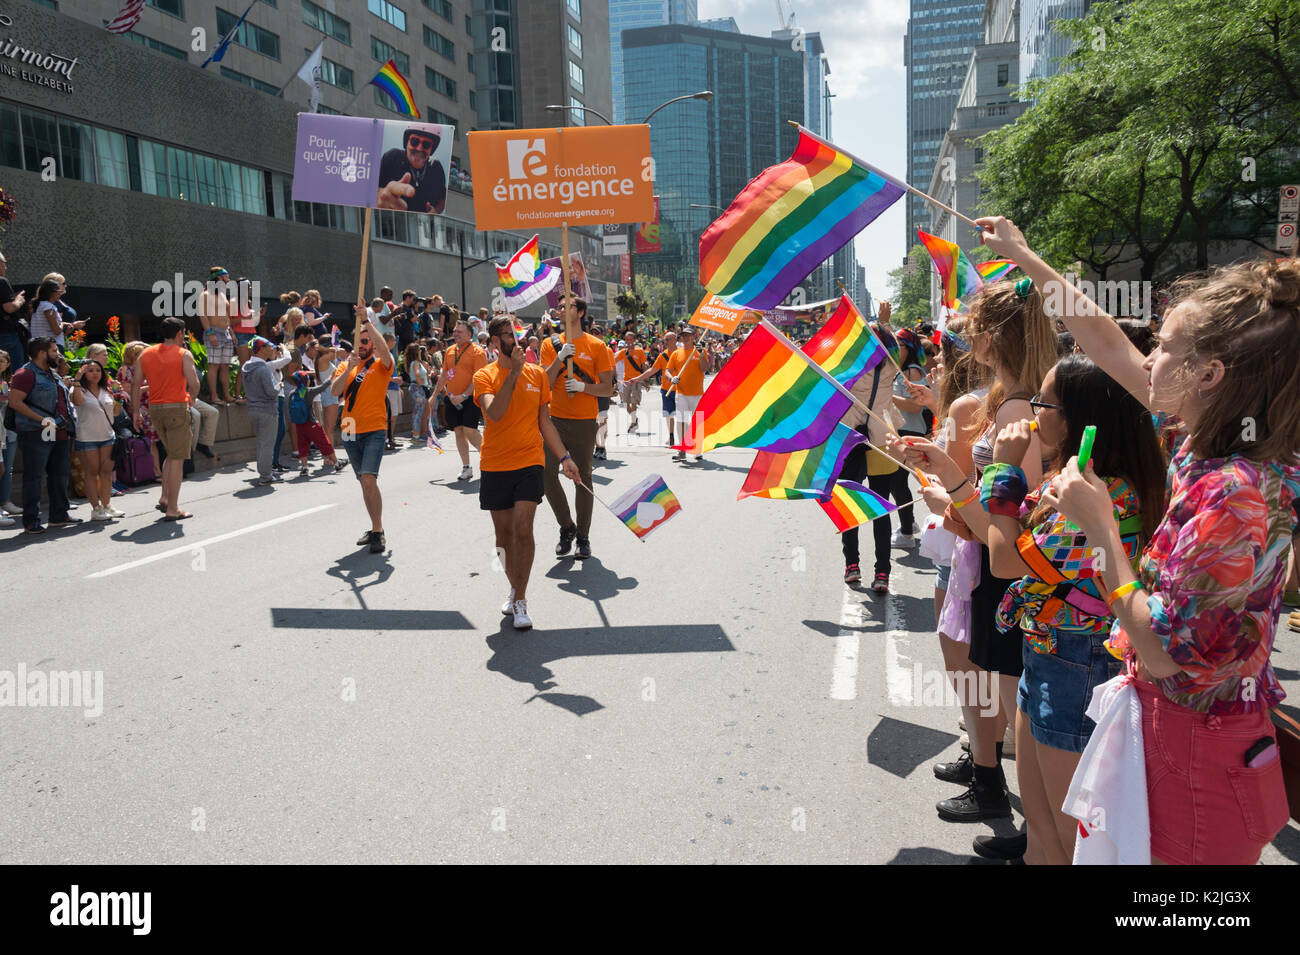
412	172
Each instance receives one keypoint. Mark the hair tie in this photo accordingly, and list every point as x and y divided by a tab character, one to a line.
1023	287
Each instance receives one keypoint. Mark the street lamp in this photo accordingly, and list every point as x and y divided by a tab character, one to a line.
465	268
581	109
702	94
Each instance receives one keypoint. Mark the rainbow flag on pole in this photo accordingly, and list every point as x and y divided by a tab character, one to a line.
646	506
789	219
392	82
526	277
770	397
801	474
957	276
994	269
852	504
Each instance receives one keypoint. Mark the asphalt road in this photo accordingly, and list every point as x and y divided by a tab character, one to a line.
272	693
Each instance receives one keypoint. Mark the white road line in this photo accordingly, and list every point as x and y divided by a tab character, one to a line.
191	548
898	675
844	669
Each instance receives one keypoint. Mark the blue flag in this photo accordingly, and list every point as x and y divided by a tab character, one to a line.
220	51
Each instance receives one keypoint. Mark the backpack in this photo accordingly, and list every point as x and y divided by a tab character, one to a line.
299	413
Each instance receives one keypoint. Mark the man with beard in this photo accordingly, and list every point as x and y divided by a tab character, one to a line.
515	398
409	181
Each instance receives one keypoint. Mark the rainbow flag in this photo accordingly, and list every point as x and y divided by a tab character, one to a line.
789	219
957	276
994	269
801	474
646	506
520	328
768	397
852	504
526	277
392	82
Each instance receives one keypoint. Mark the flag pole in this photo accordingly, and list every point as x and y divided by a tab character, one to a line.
569	337
361	281
908	186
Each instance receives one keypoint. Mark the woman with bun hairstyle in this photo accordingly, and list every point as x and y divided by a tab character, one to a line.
1196	621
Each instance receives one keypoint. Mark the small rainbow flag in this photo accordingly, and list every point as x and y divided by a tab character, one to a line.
433	444
957	276
768	397
852	504
994	269
392	82
646	506
526	277
789	219
801	474
520	328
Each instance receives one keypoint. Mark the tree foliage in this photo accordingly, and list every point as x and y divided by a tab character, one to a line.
909	288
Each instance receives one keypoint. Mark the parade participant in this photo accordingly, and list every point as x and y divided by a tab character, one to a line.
602	404
95	411
361	385
461	362
1196	622
168	369
574	410
667	393
686	369
216	309
36	396
628	365
514	396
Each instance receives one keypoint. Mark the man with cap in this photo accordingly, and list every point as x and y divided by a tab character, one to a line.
667	393
686	369
216	309
262	387
409	179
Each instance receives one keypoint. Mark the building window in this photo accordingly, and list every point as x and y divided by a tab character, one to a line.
440	7
388	12
469	24
575	40
575	75
157	45
175	7
250	81
1003	69
381	52
576	115
473	101
249	34
328	23
435	116
439	43
575	8
440	83
335	74
469	61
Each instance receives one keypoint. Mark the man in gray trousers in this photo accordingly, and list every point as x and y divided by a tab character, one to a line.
262	388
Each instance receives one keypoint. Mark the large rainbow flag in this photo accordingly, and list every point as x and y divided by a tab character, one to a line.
525	277
769	397
646	506
391	81
852	504
801	474
789	219
957	276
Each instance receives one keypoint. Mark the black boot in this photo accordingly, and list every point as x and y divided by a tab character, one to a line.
985	799
1001	847
566	540
961	771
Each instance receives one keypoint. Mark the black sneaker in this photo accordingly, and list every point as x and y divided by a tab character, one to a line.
364	539
279	468
68	521
584	548
976	803
302	472
679	456
34	529
1001	847
962	771
376	540
566	540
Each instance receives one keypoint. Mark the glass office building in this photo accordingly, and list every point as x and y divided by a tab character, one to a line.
632	15
1041	44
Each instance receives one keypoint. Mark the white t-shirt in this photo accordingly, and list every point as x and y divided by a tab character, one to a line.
45	312
94	416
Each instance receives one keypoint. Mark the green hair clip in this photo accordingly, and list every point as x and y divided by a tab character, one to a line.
1024	287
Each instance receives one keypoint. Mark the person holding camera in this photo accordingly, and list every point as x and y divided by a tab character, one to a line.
42	407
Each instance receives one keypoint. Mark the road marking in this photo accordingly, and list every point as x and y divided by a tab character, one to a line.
844	669
898	674
191	548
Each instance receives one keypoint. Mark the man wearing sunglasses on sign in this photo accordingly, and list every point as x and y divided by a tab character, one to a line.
409	179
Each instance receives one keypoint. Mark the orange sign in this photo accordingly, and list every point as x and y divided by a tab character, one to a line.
714	314
539	178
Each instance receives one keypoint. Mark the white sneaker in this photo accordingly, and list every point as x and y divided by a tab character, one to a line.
508	608
13	509
903	540
99	514
115	512
6	520
522	620
466	474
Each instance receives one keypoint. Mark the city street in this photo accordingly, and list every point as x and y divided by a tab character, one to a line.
274	693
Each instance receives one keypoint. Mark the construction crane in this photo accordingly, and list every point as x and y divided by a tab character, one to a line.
787	23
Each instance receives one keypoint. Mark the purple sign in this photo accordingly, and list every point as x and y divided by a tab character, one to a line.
579	287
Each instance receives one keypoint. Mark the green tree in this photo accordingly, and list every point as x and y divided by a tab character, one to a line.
660	294
909	288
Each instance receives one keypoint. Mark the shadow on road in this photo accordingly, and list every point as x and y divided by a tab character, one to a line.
355	569
153	533
324	618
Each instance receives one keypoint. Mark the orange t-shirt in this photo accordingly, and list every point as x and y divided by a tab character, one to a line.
515	441
592	356
661	364
462	363
365	410
630	370
165	373
690	373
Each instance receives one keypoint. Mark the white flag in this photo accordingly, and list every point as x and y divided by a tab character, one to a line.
310	74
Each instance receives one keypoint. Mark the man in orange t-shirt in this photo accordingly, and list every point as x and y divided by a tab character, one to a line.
687	367
666	391
361	385
629	364
169	371
460	363
602	404
514	395
574	409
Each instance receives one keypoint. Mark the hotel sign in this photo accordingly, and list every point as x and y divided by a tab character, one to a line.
34	66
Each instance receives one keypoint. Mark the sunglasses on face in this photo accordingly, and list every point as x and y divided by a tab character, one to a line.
425	145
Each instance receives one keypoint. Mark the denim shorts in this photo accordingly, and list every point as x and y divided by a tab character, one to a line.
92	445
1055	689
366	451
243	338
942	571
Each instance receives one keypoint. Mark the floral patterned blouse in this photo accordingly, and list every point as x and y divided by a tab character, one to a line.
1215	570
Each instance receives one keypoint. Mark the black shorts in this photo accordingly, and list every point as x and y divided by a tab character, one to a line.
501	490
990	648
602	404
468	415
